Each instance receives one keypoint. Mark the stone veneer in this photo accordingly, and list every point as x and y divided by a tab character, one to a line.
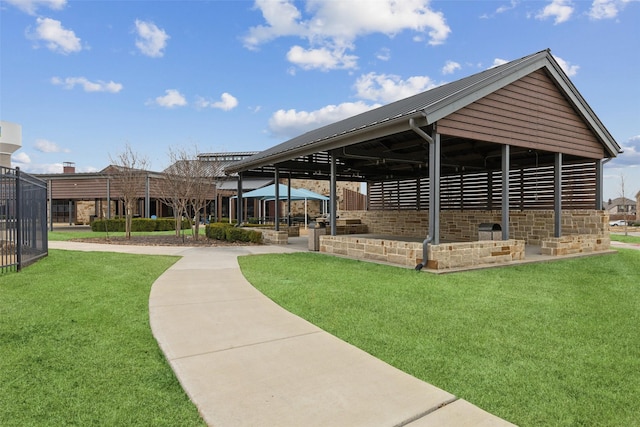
575	244
314	207
462	226
272	237
409	254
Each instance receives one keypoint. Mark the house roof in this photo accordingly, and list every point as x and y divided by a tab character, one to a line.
428	107
619	201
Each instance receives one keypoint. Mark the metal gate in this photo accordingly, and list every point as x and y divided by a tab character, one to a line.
23	219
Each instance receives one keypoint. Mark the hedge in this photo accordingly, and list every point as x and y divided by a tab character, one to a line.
226	231
138	224
217	230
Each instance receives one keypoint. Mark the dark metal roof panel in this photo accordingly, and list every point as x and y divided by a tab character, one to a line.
434	103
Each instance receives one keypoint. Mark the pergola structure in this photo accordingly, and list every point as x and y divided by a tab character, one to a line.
517	137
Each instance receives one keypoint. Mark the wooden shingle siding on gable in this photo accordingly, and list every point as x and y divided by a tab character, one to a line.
88	189
530	113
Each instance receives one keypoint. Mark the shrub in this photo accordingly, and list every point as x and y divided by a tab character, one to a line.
112	224
143	224
217	230
138	224
165	224
239	235
226	231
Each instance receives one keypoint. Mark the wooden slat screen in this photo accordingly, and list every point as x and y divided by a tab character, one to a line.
530	189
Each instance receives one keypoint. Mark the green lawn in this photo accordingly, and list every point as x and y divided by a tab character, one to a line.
552	344
625	239
76	347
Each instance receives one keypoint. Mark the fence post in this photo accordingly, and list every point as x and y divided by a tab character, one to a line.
18	224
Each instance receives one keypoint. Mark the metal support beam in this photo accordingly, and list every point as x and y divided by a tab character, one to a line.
108	198
506	165
599	182
557	195
434	189
333	202
50	195
277	200
289	200
239	200
147	203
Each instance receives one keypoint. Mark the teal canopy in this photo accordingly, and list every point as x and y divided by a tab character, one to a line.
269	193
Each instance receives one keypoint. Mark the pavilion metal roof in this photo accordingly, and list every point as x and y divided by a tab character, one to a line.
428	107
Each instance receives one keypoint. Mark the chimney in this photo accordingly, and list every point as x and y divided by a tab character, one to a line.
68	167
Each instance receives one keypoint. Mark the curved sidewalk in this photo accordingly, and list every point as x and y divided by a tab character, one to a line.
245	361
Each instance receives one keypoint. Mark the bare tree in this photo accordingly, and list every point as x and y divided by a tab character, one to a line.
176	189
129	171
190	186
624	205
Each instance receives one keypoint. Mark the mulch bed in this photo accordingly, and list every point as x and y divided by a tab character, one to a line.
164	240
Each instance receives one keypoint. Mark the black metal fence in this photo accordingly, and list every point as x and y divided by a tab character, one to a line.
23	219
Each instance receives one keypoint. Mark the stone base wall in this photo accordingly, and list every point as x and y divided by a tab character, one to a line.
272	237
471	254
462	226
409	254
575	244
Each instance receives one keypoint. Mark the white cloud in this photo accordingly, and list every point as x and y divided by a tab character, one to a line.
42	167
88	86
450	67
151	40
46	146
560	10
31	6
501	9
511	5
606	9
498	61
21	157
173	98
388	88
631	155
323	58
291	123
384	54
331	27
282	20
57	38
227	102
570	70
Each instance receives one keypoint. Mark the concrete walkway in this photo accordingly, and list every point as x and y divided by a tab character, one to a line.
245	361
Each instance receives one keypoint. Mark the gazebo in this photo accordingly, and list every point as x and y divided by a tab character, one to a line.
514	149
283	192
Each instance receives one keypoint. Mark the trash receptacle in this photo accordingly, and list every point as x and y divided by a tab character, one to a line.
314	234
489	231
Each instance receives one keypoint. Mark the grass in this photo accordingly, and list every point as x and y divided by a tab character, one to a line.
76	347
540	344
625	239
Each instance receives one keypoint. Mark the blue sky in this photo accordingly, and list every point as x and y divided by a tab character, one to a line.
86	78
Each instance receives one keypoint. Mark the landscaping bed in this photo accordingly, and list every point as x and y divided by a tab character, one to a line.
161	240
